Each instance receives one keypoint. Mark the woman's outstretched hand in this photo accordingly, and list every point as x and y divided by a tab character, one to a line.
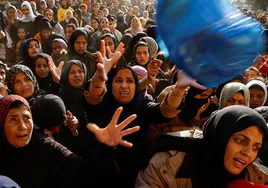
112	134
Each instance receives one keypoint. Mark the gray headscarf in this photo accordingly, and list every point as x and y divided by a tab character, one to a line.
229	90
260	84
61	41
153	46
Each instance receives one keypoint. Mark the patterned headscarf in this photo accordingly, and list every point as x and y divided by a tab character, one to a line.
5	104
14	70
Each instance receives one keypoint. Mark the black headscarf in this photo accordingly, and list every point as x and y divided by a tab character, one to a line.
217	132
44	83
77	33
27	60
192	105
48	111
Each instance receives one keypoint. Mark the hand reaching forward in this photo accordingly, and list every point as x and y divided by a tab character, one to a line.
153	69
184	82
55	71
72	123
112	134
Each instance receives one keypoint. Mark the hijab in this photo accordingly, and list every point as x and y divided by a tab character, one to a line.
31	16
77	33
43	83
18	68
259	83
191	105
217	132
229	90
5	104
12	7
153	46
27	60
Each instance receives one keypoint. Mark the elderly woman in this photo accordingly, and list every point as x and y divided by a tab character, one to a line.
233	139
48	163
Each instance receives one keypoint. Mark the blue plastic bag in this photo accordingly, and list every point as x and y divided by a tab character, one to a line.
208	39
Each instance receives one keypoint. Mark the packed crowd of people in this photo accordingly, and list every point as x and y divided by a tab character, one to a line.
88	99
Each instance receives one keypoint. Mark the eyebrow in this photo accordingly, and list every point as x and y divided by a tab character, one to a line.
246	137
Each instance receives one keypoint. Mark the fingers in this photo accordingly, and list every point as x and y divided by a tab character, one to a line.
116	116
101	72
61	65
125	143
99	57
102	48
108	50
116	57
69	113
92	127
120	47
198	86
157	62
130	131
127	121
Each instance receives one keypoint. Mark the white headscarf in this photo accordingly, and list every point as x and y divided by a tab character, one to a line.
31	16
261	84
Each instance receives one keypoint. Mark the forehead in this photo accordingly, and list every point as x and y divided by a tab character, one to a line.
75	67
124	73
21	75
142	48
254	133
33	42
41	60
14	111
81	38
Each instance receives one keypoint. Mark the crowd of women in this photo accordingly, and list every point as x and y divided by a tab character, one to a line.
88	100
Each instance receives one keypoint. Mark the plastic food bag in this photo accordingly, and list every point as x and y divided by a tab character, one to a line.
208	39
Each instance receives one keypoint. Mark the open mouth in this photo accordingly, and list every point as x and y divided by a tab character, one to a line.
124	93
239	162
22	136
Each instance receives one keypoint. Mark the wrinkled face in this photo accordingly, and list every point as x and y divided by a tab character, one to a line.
23	85
104	23
76	76
2	75
33	49
21	33
236	99
25	10
49	15
242	149
45	33
142	55
41	68
68	32
56	49
94	24
80	45
250	74
51	3
18	126
109	42
123	86
256	97
11	14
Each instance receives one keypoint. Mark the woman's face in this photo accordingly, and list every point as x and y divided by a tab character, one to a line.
23	85
76	76
242	149
205	94
43	6
236	99
110	43
94	24
123	86
41	68
135	22
33	49
18	126
68	32
80	45
104	23
11	14
256	97
142	55
25	10
68	15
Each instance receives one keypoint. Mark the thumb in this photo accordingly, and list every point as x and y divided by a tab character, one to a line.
92	127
